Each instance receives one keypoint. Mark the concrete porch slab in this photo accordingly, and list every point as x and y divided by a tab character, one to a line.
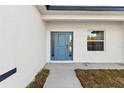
72	66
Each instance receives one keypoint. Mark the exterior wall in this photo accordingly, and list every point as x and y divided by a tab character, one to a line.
113	40
122	41
22	44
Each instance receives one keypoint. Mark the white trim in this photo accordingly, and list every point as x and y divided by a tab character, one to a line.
84	17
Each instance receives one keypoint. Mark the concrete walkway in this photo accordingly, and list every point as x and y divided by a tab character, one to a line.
61	78
62	75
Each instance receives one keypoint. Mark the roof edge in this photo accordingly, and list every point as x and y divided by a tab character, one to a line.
84	8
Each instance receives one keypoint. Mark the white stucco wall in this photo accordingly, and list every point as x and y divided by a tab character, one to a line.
22	44
122	41
113	40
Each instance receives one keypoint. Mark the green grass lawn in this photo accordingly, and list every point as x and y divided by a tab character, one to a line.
39	80
101	78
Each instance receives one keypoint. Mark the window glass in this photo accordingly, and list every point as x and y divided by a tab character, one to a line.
95	35
52	44
70	45
95	41
95	46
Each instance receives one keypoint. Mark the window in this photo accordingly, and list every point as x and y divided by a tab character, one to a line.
52	45
95	41
70	45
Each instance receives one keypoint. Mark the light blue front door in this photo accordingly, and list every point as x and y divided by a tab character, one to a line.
62	46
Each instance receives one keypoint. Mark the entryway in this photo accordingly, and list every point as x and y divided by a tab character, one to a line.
61	45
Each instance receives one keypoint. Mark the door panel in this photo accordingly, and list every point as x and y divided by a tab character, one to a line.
61	45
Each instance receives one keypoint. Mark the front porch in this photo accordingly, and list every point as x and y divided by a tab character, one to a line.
72	66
